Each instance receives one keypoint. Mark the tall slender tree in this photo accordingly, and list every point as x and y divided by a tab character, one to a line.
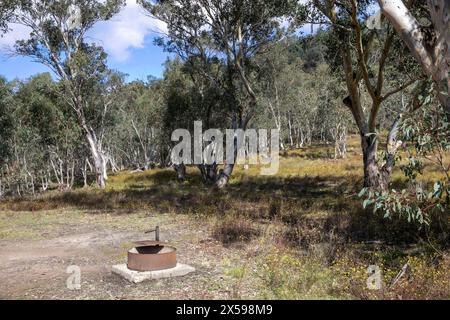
364	57
232	32
57	40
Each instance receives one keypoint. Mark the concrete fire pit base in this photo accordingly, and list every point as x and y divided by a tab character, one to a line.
137	276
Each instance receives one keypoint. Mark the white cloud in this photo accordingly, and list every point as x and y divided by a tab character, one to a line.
125	31
18	32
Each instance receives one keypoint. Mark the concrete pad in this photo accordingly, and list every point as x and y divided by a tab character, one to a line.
138	276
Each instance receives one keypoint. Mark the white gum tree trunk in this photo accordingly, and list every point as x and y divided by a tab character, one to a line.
99	160
431	52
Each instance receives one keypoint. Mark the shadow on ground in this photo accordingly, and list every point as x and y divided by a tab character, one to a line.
311	208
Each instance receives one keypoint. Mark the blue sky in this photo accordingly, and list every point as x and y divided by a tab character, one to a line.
127	38
143	62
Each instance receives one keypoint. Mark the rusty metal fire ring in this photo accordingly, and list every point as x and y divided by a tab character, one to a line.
151	256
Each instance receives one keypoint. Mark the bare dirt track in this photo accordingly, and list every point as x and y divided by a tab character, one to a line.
34	265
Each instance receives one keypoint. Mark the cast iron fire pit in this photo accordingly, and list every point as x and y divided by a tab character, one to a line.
152	255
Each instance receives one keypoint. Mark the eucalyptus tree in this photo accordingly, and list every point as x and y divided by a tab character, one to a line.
42	141
291	97
6	121
208	102
280	81
301	94
6	130
180	109
370	66
135	139
43	147
426	33
190	97
231	32
58	40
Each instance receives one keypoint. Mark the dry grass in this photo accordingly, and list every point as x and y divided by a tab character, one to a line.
312	237
234	229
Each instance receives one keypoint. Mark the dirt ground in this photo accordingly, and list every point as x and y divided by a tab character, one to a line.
37	247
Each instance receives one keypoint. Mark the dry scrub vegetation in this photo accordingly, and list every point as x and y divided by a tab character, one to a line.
299	235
